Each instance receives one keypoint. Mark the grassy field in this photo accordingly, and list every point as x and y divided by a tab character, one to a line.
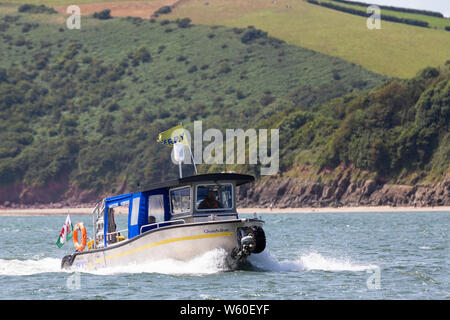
396	50
434	22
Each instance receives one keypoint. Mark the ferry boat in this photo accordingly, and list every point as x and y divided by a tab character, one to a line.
177	219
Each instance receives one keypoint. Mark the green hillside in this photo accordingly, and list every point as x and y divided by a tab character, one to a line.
85	106
395	50
397	133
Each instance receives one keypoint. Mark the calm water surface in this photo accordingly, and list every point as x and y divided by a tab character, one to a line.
308	256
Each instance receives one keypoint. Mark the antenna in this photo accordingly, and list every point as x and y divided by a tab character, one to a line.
178	155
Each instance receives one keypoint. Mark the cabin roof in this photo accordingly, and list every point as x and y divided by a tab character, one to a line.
237	177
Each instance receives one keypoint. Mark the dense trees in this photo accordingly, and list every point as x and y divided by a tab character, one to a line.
398	128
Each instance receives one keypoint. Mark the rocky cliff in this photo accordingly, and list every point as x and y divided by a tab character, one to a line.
344	187
343	190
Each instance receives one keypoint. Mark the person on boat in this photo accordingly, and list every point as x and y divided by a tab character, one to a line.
112	227
210	201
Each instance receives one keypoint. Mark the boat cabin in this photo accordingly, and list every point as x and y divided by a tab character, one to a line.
185	200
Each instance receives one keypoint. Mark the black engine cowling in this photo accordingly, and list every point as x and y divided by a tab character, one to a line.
260	238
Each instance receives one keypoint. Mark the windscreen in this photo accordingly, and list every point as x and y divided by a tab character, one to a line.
214	197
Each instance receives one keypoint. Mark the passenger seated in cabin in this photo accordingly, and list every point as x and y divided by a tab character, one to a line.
112	227
151	219
210	201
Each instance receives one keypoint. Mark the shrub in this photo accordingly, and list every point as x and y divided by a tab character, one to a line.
113	106
4	26
429	73
103	15
20	41
184	23
252	34
31	8
140	55
163	10
192	69
28	26
240	95
266	99
224	67
161	48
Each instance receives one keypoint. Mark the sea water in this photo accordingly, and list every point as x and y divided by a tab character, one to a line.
376	255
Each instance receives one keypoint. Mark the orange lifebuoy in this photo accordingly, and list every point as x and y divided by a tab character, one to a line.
79	226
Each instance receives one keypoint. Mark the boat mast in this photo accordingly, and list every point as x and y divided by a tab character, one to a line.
190	152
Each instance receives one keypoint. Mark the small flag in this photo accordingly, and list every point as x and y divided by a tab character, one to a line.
66	232
172	136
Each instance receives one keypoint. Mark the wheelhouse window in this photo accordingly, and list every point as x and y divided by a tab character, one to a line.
180	200
155	208
214	197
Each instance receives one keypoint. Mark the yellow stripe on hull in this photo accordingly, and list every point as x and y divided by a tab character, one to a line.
155	244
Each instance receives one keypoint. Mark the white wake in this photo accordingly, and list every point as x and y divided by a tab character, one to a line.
16	267
306	262
209	263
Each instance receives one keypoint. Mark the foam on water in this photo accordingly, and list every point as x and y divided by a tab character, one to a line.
16	267
211	262
309	261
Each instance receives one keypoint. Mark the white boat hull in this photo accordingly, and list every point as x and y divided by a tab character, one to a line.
180	242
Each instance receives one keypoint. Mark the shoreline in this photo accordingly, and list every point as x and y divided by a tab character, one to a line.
88	210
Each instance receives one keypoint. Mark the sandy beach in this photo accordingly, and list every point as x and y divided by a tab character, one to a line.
87	211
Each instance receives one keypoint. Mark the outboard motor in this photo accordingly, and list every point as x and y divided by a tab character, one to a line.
260	238
248	244
253	240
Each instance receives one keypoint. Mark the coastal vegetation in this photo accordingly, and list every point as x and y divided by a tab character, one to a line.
84	107
398	130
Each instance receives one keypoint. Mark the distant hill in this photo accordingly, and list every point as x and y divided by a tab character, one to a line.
396	50
80	110
387	51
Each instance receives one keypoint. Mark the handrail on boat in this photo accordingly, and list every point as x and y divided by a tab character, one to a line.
119	231
114	240
99	207
161	222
